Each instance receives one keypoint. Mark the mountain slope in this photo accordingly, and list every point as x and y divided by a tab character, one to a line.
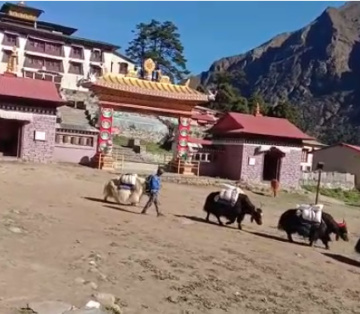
316	68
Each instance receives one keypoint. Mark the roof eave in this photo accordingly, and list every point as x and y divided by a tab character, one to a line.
123	57
54	103
198	98
259	134
66	38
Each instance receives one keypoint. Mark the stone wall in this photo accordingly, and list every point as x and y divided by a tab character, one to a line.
290	172
291	169
38	151
144	127
330	180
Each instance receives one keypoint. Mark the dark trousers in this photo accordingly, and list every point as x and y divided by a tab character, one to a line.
153	199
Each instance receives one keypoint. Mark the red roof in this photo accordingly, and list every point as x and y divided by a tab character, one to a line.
356	148
236	123
26	88
353	147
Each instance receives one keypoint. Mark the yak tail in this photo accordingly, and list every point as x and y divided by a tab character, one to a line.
280	223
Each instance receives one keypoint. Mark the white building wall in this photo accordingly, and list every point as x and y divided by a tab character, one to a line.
69	80
308	164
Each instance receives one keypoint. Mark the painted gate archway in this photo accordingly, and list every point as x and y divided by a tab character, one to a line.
152	94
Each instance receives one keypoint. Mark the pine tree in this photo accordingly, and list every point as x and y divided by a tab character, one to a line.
161	42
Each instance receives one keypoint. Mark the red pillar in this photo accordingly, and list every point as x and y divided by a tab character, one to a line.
182	137
104	147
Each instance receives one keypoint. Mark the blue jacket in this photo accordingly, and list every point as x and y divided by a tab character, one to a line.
155	183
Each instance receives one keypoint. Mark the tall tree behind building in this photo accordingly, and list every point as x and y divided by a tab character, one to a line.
161	42
228	97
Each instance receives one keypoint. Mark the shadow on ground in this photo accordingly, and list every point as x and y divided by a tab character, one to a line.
202	220
276	238
261	194
342	259
122	209
98	200
117	207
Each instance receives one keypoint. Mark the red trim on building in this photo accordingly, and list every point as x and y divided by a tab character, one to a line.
203	117
200	141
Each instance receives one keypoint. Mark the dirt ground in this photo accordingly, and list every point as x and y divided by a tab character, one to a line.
59	242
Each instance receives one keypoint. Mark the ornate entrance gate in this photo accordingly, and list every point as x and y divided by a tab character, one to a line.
149	93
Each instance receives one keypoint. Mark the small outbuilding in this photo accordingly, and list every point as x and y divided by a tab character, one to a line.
257	149
27	117
344	158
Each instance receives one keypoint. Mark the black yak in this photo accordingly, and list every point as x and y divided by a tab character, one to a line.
291	223
242	207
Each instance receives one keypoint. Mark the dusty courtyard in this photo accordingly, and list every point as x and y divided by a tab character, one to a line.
59	242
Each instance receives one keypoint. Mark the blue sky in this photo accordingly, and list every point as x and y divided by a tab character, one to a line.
209	30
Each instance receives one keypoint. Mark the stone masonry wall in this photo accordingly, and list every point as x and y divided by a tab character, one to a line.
39	151
290	173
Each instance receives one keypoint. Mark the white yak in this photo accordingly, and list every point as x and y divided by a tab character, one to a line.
123	196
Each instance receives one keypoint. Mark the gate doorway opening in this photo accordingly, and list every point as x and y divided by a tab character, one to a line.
272	164
10	137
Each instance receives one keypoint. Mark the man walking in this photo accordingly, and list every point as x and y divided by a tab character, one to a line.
154	185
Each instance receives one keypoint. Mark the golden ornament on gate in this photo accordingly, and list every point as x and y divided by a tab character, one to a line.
149	65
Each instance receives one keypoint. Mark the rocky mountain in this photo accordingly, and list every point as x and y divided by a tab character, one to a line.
316	68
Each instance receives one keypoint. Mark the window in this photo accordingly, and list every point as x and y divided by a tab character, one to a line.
35	45
6	56
95	70
43	64
10	40
77	53
53	49
42	76
202	157
44	47
123	68
49	78
53	65
96	55
34	62
304	155
76	68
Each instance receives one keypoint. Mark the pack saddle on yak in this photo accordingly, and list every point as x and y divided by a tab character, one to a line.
229	195
127	188
311	215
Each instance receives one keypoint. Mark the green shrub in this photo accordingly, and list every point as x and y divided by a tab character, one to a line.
350	197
